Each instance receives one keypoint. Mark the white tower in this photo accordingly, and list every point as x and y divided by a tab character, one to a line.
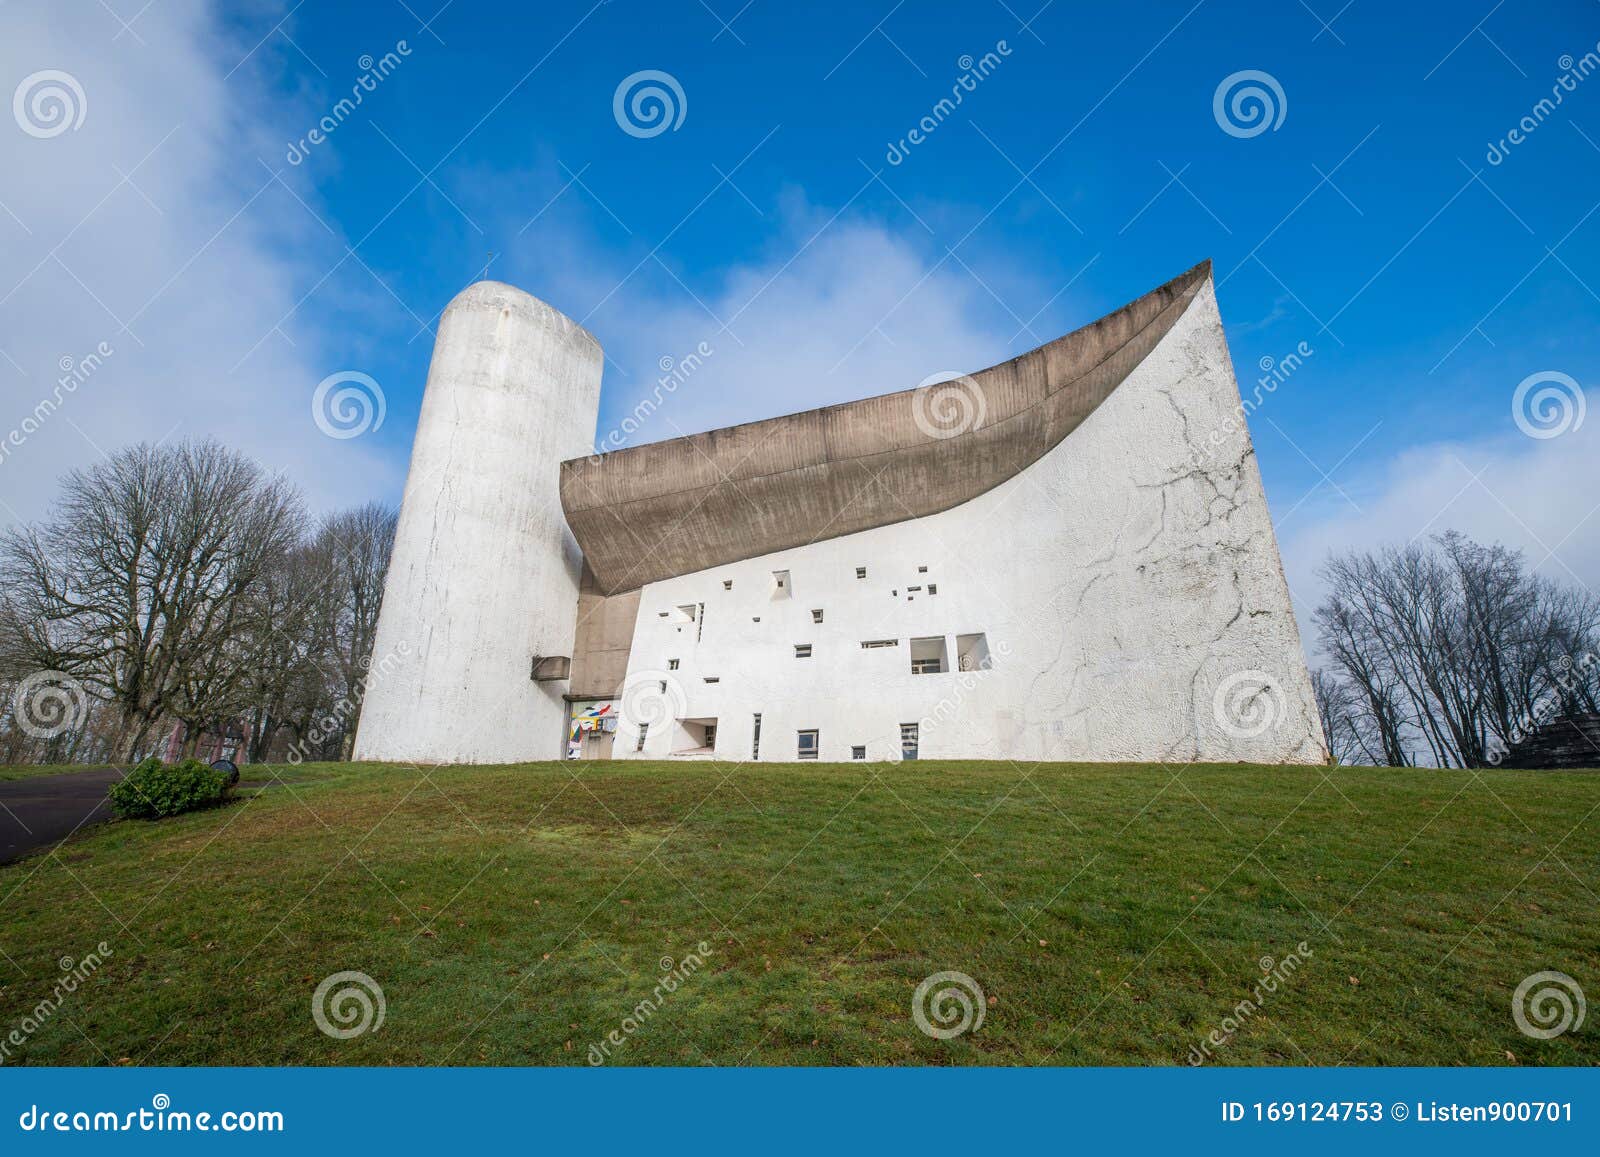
484	575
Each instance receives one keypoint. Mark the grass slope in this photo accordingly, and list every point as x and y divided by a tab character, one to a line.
1113	914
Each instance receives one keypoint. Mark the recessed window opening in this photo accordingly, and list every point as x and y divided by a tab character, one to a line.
929	656
727	584
910	740
672	664
781	586
933	588
861	572
802	650
922	570
875	644
644	729
816	616
972	652
713	678
755	737
806	744
858	752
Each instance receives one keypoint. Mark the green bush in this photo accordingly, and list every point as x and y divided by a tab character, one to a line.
154	789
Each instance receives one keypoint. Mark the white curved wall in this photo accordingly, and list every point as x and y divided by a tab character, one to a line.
1128	584
484	573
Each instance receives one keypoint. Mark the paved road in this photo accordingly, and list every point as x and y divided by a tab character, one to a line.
37	812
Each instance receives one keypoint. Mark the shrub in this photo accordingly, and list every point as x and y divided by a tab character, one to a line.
154	789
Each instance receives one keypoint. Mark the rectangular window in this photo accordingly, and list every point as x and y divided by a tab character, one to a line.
858	752
929	656
780	583
806	747
922	570
910	738
972	652
802	650
644	729
816	616
672	664
713	678
727	584
861	572
688	612
875	644
755	738
933	588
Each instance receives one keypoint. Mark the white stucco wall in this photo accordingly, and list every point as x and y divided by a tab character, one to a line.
484	573
1128	583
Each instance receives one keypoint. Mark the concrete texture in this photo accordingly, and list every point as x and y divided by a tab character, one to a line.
1126	585
484	574
670	508
604	640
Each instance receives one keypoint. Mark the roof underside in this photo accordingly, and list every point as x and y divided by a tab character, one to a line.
656	511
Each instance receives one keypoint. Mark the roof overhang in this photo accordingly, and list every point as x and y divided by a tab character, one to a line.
653	512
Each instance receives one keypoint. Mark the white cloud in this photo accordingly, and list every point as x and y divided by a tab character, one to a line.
832	313
1540	496
148	228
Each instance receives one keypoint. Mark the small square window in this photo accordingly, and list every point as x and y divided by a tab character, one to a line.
933	588
861	572
806	745
802	650
816	616
858	752
672	664
922	570
727	584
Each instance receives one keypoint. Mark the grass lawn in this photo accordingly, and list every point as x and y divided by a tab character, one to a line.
14	771
1112	914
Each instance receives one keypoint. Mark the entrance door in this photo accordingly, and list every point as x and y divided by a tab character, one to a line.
597	744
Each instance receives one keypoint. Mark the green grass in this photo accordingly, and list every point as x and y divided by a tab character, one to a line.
11	771
1113	914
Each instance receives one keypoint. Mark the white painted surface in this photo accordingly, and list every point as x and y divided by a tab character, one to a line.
484	573
1132	600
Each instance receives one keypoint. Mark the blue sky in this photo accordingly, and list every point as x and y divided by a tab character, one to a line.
1086	168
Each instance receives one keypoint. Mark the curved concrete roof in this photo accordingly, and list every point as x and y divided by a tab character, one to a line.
663	509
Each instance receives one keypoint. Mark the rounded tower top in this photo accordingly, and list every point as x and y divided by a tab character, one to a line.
495	296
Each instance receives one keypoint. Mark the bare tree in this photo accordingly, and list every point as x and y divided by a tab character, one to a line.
142	582
1448	648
